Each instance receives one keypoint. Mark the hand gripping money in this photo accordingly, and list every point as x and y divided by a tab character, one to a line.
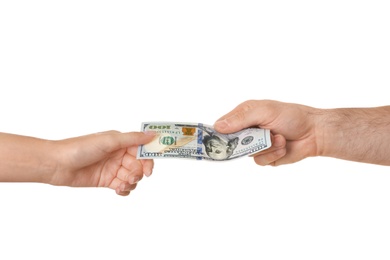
199	141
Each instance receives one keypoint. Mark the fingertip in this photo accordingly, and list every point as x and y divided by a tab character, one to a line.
221	126
279	141
146	137
230	125
120	192
129	139
150	133
147	173
135	179
124	194
148	166
125	188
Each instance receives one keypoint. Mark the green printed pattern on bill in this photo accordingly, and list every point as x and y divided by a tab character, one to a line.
200	141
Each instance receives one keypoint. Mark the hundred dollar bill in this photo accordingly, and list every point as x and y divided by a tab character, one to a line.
200	141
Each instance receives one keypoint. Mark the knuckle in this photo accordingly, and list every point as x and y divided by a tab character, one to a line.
248	105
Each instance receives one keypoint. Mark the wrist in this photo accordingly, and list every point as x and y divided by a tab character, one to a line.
326	131
49	162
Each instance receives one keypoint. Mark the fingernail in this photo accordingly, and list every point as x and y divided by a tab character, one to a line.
151	133
135	180
147	173
278	142
221	124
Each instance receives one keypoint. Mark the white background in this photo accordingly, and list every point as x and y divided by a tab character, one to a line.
70	68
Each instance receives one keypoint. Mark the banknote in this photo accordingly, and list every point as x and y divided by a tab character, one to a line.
201	142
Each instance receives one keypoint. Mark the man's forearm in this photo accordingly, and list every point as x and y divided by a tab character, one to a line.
356	134
24	159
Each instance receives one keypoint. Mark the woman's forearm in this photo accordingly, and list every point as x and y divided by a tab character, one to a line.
25	159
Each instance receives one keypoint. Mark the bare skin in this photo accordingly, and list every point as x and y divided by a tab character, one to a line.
298	131
105	159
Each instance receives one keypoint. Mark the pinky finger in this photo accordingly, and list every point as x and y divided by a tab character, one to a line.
122	193
125	188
